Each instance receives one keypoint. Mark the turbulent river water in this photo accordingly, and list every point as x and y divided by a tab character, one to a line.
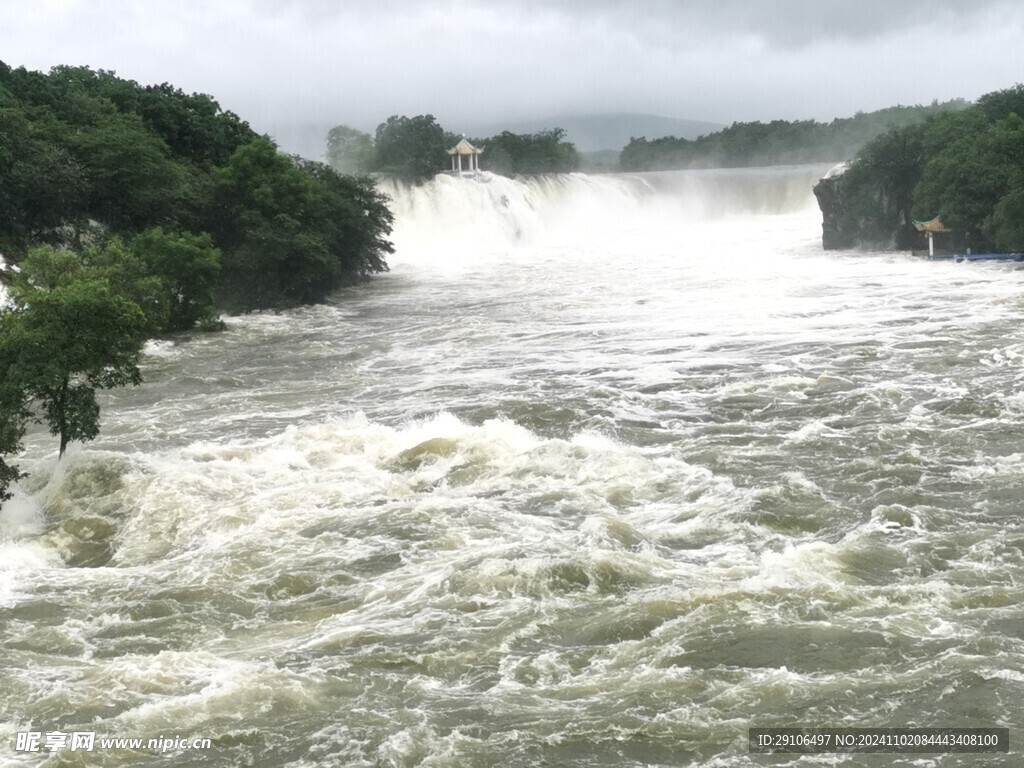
604	472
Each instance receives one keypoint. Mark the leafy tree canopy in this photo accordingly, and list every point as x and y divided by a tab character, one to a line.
188	267
543	152
71	335
411	148
882	183
965	167
294	231
349	150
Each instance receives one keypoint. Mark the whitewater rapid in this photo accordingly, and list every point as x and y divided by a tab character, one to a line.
604	472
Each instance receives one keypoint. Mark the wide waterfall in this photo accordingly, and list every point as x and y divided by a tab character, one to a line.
490	211
605	472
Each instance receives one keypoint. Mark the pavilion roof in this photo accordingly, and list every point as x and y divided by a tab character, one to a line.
464	148
934	225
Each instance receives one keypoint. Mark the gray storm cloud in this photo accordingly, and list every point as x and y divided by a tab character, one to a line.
784	23
322	61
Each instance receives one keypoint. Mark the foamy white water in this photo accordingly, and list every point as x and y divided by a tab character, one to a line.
3	288
606	471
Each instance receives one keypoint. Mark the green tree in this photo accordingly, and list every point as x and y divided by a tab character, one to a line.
130	276
10	442
412	148
42	186
111	151
292	231
942	130
188	267
354	218
133	183
192	126
270	259
110	262
69	335
974	182
1001	104
960	185
879	187
542	152
349	150
1007	225
498	158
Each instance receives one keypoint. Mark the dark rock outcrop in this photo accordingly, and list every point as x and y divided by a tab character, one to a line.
833	211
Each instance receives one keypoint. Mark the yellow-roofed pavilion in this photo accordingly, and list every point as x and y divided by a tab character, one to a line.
930	228
465	149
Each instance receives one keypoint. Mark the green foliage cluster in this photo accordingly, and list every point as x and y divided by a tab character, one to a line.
350	150
293	231
415	149
79	145
966	167
138	210
543	152
84	151
779	142
411	148
78	326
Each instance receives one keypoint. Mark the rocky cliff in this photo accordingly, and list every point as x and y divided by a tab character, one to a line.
833	211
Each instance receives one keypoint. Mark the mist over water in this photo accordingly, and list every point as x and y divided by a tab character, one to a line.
604	472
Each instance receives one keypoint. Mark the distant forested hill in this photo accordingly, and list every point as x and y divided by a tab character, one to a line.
779	142
589	133
415	149
601	131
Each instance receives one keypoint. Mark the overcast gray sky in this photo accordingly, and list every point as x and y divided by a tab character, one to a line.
333	61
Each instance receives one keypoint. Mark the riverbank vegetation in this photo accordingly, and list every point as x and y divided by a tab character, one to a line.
132	211
415	149
780	142
964	167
